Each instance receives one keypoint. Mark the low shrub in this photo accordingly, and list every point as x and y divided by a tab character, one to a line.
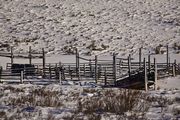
111	101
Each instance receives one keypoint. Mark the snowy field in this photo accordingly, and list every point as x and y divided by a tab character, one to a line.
86	101
93	26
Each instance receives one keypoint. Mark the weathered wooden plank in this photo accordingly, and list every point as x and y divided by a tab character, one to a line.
145	75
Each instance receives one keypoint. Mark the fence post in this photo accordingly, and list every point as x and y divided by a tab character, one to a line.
129	65
114	68
90	68
105	76
140	56
56	71
175	65
178	69
84	69
173	70
30	55
167	57
79	71
60	65
12	56
155	74
44	62
149	63
60	79
50	74
60	69
25	71
120	61
37	70
96	63
99	71
70	73
22	76
145	75
0	72
63	76
77	64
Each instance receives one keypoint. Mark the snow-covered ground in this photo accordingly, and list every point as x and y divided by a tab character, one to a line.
85	100
170	83
93	26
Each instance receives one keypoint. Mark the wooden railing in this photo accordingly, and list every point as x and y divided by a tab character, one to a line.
104	72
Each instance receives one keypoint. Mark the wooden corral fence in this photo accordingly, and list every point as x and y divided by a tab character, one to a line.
30	55
119	72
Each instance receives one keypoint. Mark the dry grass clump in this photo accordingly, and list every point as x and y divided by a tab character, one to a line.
3	115
176	110
19	115
160	101
89	90
38	97
72	96
13	89
50	117
110	101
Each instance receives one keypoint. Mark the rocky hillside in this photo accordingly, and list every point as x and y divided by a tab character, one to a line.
92	26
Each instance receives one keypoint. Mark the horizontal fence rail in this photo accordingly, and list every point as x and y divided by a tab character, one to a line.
114	72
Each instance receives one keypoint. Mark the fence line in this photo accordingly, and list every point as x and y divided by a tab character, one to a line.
106	72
